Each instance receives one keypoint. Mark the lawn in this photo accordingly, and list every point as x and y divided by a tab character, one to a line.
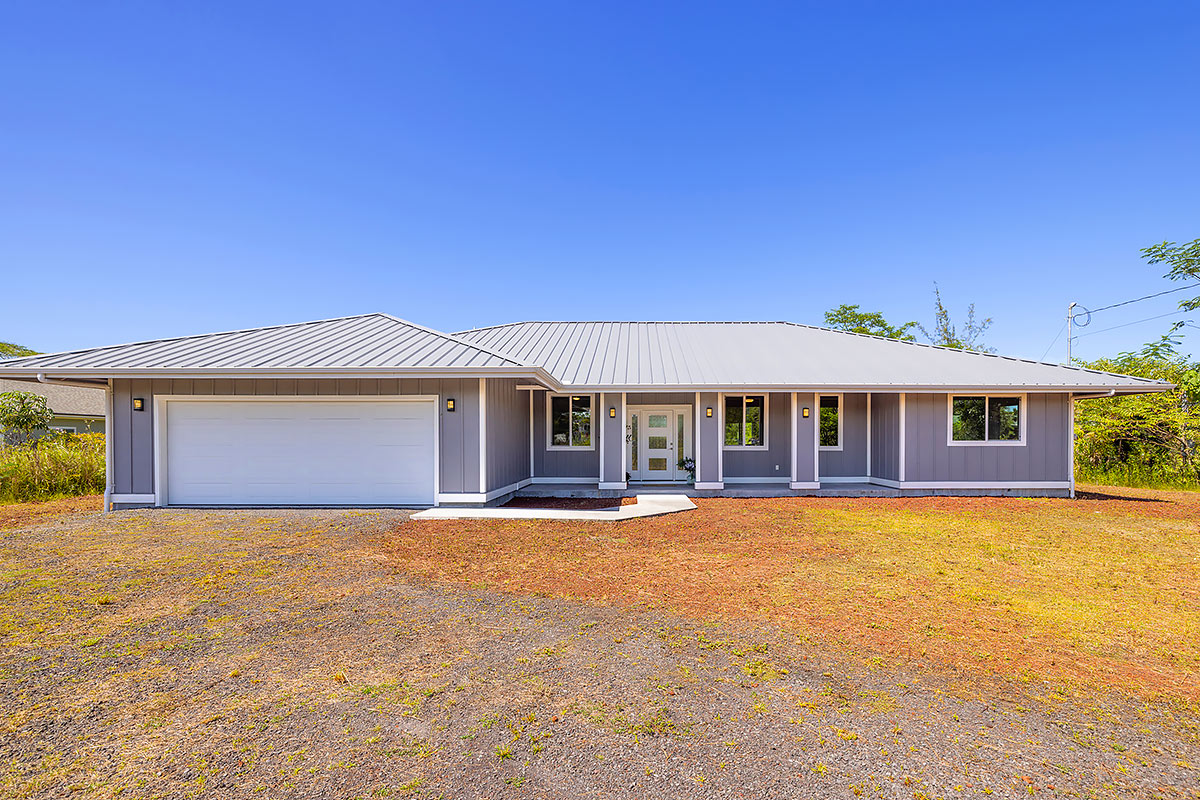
915	648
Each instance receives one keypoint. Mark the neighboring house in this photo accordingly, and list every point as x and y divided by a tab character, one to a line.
373	410
76	409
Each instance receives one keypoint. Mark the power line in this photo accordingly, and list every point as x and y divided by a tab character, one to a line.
1051	347
1140	299
1127	324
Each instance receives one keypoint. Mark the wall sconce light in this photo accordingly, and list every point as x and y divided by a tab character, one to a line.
139	404
806	412
612	412
708	411
449	403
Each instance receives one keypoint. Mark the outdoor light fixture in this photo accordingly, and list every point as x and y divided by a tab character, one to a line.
449	403
708	412
806	412
139	404
612	412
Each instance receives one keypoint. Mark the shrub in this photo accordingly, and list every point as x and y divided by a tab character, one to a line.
57	465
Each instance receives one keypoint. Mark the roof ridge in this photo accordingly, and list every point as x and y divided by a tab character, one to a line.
454	338
9	362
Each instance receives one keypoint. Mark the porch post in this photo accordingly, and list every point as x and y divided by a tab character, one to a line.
612	440
804	442
708	442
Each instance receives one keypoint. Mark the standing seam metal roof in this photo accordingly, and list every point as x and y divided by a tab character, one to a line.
768	354
368	341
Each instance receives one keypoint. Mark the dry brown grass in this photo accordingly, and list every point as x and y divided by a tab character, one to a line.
15	515
1101	592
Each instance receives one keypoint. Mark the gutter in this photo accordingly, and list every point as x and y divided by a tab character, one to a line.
41	376
1109	393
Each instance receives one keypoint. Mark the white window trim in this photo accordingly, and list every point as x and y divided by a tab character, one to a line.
841	415
573	448
766	445
1022	421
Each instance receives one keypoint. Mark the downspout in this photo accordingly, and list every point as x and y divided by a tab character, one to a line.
108	447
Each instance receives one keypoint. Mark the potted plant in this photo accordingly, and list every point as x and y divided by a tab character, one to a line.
688	464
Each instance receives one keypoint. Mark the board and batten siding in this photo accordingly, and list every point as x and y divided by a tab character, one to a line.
885	436
1042	457
851	460
583	463
133	431
507	427
775	461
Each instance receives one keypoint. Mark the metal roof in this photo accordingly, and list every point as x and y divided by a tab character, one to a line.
369	343
633	355
75	401
581	355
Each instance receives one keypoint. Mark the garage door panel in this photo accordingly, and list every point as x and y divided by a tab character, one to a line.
300	452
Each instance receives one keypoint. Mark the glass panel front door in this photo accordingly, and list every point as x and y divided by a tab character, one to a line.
658	438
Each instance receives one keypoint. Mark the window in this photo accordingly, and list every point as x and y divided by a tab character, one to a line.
985	420
745	420
831	422
570	421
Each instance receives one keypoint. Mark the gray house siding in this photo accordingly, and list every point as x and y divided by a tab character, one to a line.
885	436
774	462
79	424
133	432
507	426
577	463
1043	456
851	460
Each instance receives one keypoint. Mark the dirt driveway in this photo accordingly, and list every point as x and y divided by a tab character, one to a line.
301	654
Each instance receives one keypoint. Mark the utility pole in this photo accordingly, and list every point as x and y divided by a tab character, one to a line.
1070	318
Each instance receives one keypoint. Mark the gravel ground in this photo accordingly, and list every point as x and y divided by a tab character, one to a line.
277	654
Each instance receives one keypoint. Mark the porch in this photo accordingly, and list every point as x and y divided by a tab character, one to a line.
730	490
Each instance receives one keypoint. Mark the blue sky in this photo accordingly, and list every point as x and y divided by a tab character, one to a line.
168	169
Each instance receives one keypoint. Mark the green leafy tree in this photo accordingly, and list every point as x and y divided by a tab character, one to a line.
946	333
22	414
1183	262
10	350
1145	438
851	318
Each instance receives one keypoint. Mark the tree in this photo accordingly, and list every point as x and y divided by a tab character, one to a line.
23	413
1184	263
1152	436
946	334
10	350
850	318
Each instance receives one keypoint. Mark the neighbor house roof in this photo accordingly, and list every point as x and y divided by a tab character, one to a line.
633	355
71	401
369	343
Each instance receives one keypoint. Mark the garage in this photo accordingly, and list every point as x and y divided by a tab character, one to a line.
250	451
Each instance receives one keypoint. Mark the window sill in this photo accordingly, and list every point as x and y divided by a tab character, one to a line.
567	448
1018	443
746	447
829	448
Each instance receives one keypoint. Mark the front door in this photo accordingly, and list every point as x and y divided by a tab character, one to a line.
658	439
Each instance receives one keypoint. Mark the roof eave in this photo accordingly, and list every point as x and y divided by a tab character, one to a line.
536	373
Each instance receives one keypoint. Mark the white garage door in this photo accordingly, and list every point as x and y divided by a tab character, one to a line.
339	452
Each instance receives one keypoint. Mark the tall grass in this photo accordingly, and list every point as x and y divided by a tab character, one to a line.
1138	476
60	465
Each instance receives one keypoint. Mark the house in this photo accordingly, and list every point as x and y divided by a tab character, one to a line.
76	409
374	410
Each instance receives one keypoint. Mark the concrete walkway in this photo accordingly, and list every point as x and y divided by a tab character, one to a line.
647	505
